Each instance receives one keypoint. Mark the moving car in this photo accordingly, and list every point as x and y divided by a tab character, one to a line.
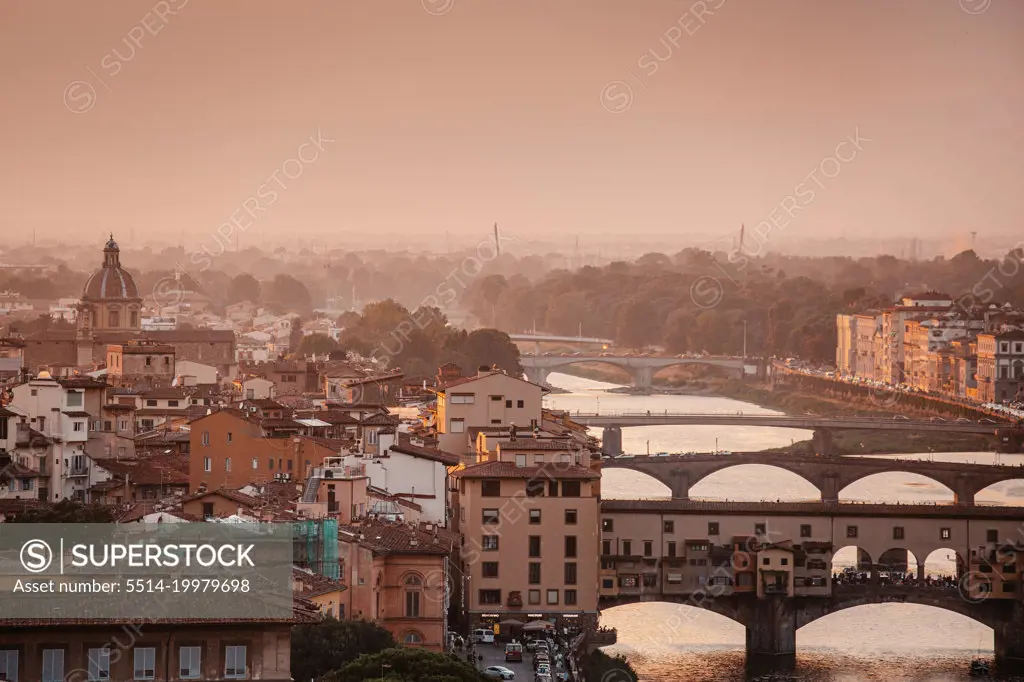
513	652
499	672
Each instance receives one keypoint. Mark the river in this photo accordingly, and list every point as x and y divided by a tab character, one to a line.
884	642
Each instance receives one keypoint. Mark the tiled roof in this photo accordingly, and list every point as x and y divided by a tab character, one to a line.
333	417
510	470
466	380
233	495
397	538
446	458
380	420
153	470
314	584
527	443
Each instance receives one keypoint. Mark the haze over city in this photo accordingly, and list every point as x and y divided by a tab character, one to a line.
519	340
448	116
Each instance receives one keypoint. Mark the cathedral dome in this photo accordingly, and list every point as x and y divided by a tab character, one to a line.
111	282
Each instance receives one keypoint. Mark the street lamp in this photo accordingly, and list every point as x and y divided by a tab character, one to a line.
382	666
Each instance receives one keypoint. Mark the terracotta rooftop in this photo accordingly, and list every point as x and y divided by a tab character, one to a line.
510	470
446	458
314	584
397	538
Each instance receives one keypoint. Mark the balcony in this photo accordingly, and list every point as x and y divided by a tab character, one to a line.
77	471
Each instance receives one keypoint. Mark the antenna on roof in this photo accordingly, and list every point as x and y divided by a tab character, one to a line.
497	242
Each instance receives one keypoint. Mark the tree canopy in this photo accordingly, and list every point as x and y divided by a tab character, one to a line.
405	665
320	648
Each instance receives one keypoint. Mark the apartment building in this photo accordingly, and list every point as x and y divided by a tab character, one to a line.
530	541
230	448
1001	366
140	362
489	399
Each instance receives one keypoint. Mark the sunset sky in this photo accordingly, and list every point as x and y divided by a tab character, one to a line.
448	115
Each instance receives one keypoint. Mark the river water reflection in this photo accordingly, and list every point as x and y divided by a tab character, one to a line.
890	642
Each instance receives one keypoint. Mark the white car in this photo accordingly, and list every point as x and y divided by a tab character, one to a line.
499	672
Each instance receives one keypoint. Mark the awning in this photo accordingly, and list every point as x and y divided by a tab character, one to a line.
538	626
312	422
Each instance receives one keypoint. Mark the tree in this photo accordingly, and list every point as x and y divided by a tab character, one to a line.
491	347
320	648
317	344
244	287
66	511
295	335
288	294
406	665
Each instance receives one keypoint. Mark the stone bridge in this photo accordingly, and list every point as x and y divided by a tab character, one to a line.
771	623
537	367
613	423
828	474
709	555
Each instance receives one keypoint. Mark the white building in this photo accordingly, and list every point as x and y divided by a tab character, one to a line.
410	472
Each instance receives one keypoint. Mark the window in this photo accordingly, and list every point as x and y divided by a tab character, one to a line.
534	488
553	597
412	603
534	517
456	426
897	532
497	398
669	527
570	545
552	488
463	398
607	583
570	572
227	464
851	531
490	543
255	463
145	663
174	403
99	664
207	464
206	437
188	662
759	529
534	596
607	525
992	535
534	578
207	510
508	403
535	545
570	597
230	436
570	517
945	533
113	318
627	548
78	427
713	528
491	516
570	488
519	403
53	665
412	638
671	549
9	665
234	662
490	569
492	597
648	548
74	400
765	561
270	463
805	530
784	561
490	488
606	547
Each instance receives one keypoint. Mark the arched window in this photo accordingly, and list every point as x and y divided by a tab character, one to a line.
113	317
412	637
413	595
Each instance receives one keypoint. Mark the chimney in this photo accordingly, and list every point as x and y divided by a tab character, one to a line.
482	370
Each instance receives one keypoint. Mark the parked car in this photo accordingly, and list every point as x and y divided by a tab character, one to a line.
499	672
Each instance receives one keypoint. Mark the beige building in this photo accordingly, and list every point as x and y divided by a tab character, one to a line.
846	344
490	399
1001	365
140	362
530	541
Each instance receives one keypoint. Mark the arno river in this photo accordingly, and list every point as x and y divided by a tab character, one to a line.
885	642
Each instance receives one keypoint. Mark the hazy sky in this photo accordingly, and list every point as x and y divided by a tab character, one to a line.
451	114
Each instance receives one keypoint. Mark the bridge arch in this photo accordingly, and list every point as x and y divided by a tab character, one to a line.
1009	489
685	607
867	595
721	484
851	556
944	561
855	487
